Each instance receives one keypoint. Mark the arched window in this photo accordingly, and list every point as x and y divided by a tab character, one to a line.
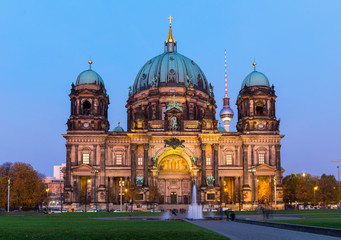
259	109
86	107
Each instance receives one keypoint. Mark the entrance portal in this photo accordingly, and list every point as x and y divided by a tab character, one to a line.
173	198
174	179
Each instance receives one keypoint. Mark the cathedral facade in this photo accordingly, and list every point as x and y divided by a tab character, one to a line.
172	142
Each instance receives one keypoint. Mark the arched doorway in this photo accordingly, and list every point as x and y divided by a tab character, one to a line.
174	179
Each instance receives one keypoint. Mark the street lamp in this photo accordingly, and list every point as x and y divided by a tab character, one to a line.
121	194
315	188
225	190
338	184
303	174
47	199
9	191
126	198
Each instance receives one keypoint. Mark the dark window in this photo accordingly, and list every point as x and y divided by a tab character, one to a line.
210	196
259	109
86	107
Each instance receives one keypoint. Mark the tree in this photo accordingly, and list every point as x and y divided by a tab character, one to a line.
27	189
327	189
290	188
154	194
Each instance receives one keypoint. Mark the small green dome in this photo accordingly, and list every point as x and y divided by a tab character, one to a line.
221	129
255	79
118	128
89	77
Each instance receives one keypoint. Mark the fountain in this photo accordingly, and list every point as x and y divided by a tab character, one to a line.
194	210
166	216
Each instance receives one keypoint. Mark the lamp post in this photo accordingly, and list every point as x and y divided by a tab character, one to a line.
315	188
47	199
121	194
60	195
338	184
9	191
275	189
126	198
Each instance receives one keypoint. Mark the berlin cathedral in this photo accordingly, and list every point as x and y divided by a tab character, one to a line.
173	141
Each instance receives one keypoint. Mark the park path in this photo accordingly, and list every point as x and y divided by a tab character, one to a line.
243	231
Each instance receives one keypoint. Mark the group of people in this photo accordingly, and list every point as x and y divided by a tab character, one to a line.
230	215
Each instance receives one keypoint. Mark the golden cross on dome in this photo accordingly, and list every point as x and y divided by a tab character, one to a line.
170	20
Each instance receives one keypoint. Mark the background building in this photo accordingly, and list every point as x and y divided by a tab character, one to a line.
173	141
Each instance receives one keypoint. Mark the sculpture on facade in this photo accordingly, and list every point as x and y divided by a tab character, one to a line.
210	180
195	160
174	143
139	180
154	159
174	124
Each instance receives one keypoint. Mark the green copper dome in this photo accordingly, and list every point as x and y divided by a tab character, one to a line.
89	77
170	69
221	129
255	79
118	128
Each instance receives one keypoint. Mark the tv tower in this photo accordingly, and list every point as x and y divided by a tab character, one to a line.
226	114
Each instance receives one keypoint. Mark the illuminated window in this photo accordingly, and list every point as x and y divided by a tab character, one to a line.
86	158
118	159
208	161
228	159
139	161
261	158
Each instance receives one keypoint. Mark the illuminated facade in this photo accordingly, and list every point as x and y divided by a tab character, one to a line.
172	141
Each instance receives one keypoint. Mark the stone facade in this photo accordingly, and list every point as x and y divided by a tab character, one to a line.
172	142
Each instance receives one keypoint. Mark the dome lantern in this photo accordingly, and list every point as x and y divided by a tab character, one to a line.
170	43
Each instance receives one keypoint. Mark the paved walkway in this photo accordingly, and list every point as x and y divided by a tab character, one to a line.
243	231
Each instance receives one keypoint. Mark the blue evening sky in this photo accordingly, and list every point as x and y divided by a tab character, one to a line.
44	45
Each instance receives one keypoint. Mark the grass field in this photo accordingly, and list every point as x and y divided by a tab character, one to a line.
82	226
330	223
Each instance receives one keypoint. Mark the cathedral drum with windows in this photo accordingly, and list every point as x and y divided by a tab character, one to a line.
172	142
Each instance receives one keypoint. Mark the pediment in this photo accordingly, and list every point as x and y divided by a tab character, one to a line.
265	168
83	168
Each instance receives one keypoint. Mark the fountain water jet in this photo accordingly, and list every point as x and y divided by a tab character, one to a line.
194	210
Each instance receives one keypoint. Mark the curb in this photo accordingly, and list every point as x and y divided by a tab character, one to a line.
301	228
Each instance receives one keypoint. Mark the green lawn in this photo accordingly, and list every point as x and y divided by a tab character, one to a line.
80	226
331	223
291	212
316	215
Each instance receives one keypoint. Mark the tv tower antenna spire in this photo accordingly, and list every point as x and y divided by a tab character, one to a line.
225	76
226	114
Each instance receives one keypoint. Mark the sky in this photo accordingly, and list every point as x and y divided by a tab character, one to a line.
44	45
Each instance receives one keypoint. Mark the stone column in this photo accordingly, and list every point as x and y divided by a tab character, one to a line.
102	165
68	166
245	166
76	155
203	164
215	164
270	157
246	187
252	155
146	164
133	148
278	163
